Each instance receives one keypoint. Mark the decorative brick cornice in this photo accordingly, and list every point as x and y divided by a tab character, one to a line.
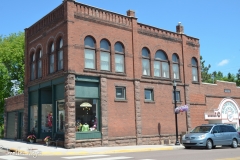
160	36
100	21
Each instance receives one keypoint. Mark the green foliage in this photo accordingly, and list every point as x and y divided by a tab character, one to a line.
212	77
11	64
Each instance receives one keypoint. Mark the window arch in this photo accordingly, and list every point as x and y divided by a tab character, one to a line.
51	57
105	55
161	65
194	69
175	66
60	54
33	61
39	63
119	57
146	61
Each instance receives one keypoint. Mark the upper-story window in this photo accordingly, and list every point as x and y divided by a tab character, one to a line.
175	66
33	61
51	58
39	64
119	57
194	69
60	54
145	61
105	55
161	66
89	52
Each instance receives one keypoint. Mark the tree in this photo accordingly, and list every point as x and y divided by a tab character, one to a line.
206	77
11	65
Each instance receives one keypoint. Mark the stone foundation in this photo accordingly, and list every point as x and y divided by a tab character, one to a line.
88	143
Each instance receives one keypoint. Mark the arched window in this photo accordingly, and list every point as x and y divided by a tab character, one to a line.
105	55
60	54
175	66
39	63
194	69
33	61
89	52
161	66
51	58
119	57
145	61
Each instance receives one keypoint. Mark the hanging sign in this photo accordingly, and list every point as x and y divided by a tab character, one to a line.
181	109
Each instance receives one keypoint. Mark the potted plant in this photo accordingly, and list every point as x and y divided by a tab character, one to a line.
31	138
47	140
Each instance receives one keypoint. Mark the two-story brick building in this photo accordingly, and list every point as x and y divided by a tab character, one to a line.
104	79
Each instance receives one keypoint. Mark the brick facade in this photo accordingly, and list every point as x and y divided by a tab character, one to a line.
133	121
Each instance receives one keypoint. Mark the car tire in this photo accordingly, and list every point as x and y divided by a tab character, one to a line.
186	147
234	143
209	144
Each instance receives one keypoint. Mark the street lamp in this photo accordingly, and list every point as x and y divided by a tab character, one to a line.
175	106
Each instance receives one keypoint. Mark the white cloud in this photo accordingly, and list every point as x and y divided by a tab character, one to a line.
223	62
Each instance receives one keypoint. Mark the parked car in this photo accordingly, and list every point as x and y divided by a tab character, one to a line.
212	135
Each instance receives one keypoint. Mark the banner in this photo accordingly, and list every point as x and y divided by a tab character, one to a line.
181	109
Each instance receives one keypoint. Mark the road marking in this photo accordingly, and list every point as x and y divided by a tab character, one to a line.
80	157
112	158
233	158
11	157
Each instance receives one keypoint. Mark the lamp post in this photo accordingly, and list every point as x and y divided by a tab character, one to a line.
175	106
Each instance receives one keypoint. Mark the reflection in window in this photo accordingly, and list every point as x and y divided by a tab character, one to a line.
194	70
177	96
175	66
60	54
33	66
145	62
40	64
47	118
51	56
60	116
148	94
89	52
120	92
119	57
87	115
105	55
161	66
34	118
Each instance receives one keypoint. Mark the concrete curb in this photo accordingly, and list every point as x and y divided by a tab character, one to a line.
45	153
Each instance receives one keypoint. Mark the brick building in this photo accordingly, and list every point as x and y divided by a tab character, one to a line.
104	79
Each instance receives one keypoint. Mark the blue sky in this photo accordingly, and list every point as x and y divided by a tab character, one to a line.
215	22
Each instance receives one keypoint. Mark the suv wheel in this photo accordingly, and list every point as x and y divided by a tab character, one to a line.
234	143
209	144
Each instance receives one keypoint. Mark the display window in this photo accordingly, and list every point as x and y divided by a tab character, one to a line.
47	118
34	118
60	115
87	115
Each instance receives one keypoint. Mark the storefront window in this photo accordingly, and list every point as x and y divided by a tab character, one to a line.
87	115
60	116
47	118
34	118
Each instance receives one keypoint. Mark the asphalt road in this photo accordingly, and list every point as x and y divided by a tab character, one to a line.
220	153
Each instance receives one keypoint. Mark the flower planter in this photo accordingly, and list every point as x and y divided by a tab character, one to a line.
31	140
47	143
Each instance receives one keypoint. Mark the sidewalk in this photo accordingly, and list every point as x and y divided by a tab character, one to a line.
21	148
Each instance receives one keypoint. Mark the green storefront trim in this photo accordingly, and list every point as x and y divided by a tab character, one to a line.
88	135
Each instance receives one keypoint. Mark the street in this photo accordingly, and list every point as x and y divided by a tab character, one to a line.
220	153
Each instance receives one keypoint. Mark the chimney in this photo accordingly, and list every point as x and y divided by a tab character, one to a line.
179	28
130	13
